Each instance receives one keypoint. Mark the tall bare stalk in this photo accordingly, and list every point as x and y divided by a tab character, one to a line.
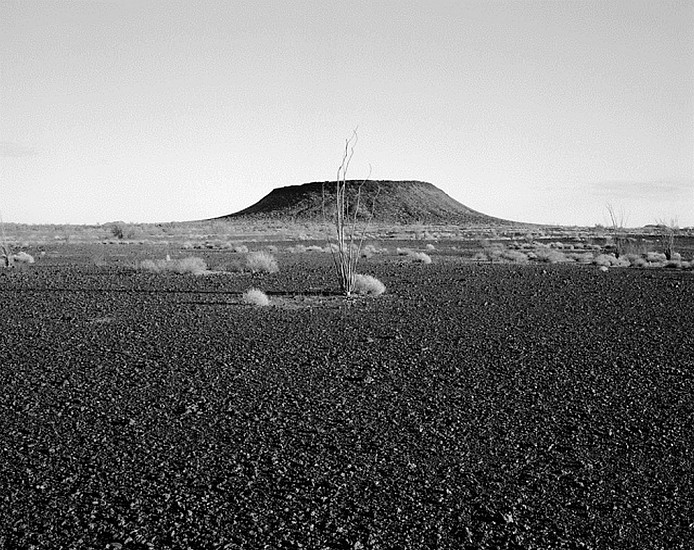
668	231
348	241
6	250
618	231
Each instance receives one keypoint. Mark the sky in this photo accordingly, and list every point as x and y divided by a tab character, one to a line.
542	111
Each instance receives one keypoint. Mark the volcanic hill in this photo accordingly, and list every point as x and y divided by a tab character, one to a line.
402	202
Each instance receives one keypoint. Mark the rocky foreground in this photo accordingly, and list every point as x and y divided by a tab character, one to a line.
471	406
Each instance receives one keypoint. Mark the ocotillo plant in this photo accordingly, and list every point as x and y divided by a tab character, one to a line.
349	237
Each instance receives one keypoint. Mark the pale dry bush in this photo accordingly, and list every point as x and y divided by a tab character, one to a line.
656	258
610	260
255	297
581	257
417	257
636	260
23	258
550	256
369	250
515	256
261	261
420	258
192	265
239	248
367	285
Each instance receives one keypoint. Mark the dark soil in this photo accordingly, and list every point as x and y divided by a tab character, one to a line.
497	406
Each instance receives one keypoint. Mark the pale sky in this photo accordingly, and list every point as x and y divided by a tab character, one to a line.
175	110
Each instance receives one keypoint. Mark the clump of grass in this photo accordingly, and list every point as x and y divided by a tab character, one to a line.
192	265
656	258
581	257
550	256
515	256
417	257
23	258
420	258
261	262
610	260
635	260
367	285
239	248
370	250
255	297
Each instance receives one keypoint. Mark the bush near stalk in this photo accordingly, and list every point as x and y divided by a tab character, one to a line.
367	285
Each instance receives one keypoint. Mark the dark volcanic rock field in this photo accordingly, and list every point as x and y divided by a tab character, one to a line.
469	407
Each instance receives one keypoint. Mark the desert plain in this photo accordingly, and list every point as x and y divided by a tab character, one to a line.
483	401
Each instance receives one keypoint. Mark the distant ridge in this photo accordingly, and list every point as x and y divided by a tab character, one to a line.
402	202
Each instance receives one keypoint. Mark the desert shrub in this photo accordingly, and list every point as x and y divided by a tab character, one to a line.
369	250
656	257
673	264
239	248
367	285
494	252
272	249
192	265
603	260
420	258
430	247
118	231
23	258
514	256
255	297
261	261
610	260
581	257
417	257
233	266
550	256
297	249
636	260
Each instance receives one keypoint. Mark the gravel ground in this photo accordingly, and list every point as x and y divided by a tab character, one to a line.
471	406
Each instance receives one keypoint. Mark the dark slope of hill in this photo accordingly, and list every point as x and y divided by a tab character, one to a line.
403	202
